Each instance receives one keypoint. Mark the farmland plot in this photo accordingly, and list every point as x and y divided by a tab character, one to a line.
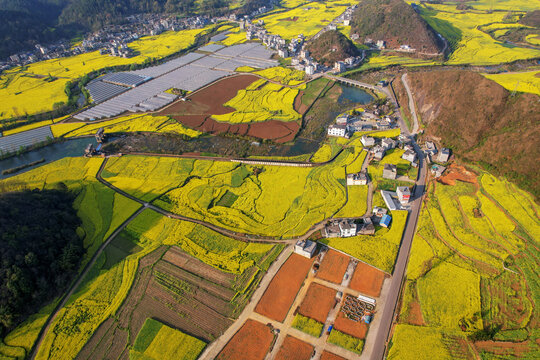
252	341
474	241
293	348
318	302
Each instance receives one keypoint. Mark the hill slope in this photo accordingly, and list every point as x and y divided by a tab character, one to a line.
330	47
395	22
482	122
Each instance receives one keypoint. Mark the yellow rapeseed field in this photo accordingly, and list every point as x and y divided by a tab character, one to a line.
528	81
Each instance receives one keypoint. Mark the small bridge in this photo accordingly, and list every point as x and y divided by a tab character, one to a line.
353	83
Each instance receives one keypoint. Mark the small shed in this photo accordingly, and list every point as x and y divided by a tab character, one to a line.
385	220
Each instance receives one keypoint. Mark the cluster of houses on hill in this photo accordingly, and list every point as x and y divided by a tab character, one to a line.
346	124
111	39
435	156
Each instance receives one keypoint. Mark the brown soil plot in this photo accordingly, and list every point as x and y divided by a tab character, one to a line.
457	173
367	280
318	302
280	294
354	328
333	266
197	111
329	356
294	349
251	342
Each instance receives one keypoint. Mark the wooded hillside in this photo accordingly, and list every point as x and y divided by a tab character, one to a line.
40	251
330	47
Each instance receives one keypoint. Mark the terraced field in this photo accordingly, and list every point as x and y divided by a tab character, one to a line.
478	240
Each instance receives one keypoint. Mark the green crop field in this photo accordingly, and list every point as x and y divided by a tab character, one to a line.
193	188
18	85
307	325
262	101
125	124
160	342
346	341
475	240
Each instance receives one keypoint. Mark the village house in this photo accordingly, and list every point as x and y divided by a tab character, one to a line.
310	70
338	130
339	66
360	178
339	228
347	228
283	53
409	155
388	143
385	221
306	248
437	170
403	194
379	211
444	155
342	119
389	171
378	152
366	227
367	141
430	148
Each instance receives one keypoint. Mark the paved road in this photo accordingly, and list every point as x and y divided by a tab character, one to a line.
412	107
389	311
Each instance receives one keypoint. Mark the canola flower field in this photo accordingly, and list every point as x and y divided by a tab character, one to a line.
262	101
305	18
125	124
475	240
470	44
528	81
18	85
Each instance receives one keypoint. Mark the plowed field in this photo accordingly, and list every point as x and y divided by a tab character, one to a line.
367	279
251	342
329	356
318	302
294	349
197	111
354	328
333	266
280	294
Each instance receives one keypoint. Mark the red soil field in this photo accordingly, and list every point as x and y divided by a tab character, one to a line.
196	113
333	266
347	326
280	294
329	356
294	349
251	342
457	173
367	279
318	302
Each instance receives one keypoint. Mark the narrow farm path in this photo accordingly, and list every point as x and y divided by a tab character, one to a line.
215	347
45	329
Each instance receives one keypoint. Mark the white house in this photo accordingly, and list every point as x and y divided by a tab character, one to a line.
404	194
338	130
306	248
342	119
283	53
444	155
339	66
360	178
347	228
409	155
310	70
389	171
367	141
388	143
378	152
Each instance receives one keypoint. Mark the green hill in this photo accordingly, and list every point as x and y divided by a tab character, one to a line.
330	47
395	22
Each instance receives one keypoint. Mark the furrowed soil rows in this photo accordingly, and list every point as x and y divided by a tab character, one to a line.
177	289
329	356
347	326
318	302
333	267
251	342
280	294
182	260
294	349
367	279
